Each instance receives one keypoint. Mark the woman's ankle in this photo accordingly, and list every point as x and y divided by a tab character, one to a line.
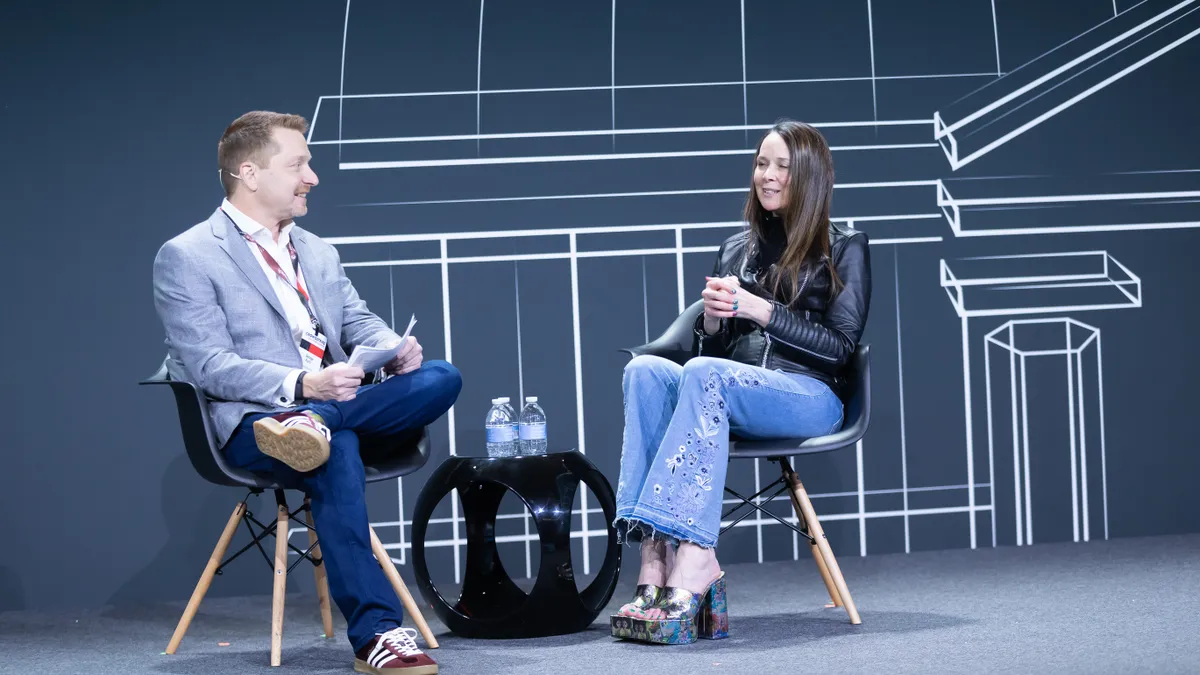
657	559
696	567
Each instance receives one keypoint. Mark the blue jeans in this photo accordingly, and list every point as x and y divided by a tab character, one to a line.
379	413
676	444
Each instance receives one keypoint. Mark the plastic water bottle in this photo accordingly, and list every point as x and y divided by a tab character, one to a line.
501	441
532	428
512	415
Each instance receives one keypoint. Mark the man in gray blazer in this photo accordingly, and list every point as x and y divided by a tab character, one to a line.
259	314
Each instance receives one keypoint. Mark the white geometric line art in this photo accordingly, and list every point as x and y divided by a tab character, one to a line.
1025	340
874	101
641	193
576	338
656	85
996	37
612	67
454	499
341	82
542	159
1054	205
742	25
443	131
900	391
1042	283
1011	105
1035	283
732	226
677	251
478	77
572	253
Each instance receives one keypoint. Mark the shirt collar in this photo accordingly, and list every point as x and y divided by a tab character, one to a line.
252	227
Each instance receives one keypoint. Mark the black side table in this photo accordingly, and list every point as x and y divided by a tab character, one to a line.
491	605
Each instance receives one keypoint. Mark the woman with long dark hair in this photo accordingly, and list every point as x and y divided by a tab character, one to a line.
783	312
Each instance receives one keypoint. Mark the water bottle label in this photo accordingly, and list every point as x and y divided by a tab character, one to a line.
533	432
500	434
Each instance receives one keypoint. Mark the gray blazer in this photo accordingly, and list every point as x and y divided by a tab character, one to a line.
226	331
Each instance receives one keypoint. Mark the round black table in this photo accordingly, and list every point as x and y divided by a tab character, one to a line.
490	604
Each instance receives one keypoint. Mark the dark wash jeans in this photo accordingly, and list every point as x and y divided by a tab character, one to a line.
370	423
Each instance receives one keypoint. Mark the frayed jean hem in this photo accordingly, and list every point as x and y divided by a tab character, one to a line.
635	527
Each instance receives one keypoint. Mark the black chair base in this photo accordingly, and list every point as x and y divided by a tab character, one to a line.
490	605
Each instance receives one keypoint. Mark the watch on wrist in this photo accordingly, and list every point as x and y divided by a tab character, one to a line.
299	393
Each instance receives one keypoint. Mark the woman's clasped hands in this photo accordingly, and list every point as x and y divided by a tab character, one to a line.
724	298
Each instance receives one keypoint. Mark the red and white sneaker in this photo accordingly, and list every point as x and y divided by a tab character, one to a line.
394	652
298	439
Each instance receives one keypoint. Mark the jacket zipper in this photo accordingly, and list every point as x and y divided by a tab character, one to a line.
767	346
806	351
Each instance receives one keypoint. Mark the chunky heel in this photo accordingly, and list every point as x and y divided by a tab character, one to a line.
688	616
712	623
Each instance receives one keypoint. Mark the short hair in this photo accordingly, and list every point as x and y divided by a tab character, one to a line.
249	137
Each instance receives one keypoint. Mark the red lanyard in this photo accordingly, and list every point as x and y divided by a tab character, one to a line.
298	287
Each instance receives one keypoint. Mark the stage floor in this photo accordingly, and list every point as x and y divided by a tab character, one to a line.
1122	606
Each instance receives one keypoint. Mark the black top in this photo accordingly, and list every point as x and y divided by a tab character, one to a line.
814	333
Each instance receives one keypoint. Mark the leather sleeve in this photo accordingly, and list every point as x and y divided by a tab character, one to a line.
827	345
718	343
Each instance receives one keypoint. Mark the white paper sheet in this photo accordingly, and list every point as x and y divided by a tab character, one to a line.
373	358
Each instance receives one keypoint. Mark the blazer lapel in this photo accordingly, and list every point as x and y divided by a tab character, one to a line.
236	247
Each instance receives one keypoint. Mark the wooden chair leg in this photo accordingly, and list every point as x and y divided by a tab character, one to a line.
406	598
319	572
281	566
835	599
214	561
814	528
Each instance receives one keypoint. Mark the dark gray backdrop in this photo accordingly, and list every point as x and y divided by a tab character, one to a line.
110	123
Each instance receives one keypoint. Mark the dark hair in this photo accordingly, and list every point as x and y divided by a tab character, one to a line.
249	138
805	217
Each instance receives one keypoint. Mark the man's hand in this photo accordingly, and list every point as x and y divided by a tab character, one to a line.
338	382
408	360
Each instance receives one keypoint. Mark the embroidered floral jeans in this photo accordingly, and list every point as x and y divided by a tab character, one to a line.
676	443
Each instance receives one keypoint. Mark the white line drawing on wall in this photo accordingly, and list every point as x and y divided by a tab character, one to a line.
908	199
586	532
1039	283
1024	205
1023	98
1036	283
1019	344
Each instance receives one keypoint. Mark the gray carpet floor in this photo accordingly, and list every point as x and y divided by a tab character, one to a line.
1122	606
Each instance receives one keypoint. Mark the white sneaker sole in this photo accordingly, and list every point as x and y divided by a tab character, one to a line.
361	666
302	448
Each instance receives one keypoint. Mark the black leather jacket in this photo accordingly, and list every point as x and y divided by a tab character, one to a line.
815	335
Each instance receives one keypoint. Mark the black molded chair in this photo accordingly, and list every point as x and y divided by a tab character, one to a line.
206	457
676	344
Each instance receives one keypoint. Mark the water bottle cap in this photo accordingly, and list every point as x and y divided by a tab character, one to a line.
497	401
502	399
531	399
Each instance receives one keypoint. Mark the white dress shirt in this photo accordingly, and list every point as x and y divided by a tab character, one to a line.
293	307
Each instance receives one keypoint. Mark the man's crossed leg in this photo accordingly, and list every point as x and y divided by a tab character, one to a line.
379	416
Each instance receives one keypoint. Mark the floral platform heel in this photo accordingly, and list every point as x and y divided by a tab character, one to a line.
644	598
688	616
